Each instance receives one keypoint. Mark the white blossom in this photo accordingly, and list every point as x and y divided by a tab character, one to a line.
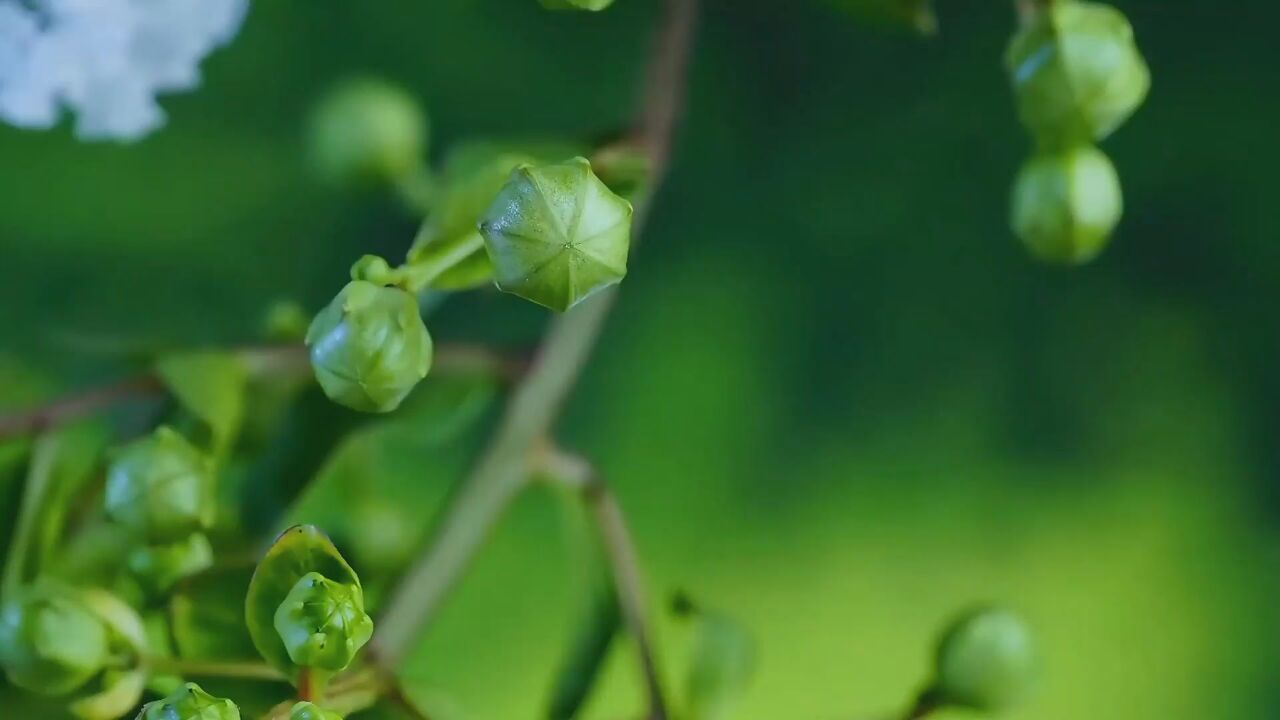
105	60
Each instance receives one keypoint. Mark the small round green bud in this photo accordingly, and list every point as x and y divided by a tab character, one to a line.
285	321
556	234
366	131
160	567
985	661
1066	204
189	702
308	711
1077	72
161	488
369	347
323	623
50	642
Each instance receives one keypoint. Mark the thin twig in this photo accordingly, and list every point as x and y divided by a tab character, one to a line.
502	468
214	669
263	360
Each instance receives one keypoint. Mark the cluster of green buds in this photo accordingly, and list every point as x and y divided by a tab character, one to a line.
1077	75
190	702
985	661
161	489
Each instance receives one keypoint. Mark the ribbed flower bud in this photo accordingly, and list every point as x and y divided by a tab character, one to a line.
985	661
189	702
555	234
1077	72
161	488
369	347
50	642
1066	204
323	623
367	131
308	711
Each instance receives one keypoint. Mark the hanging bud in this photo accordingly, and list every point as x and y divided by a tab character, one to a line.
323	623
160	567
556	234
367	131
161	488
189	702
985	661
50	642
1066	204
1077	72
308	711
369	347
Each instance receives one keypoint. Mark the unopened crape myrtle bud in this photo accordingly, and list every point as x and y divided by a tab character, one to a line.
308	711
1077	72
367	130
189	702
1066	204
985	661
556	234
323	623
369	347
50	642
161	488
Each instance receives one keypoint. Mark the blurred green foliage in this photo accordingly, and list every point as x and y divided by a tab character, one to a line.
836	400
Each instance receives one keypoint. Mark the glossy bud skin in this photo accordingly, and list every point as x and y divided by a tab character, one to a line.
985	661
369	347
189	702
1077	72
556	234
1066	205
323	623
161	488
50	642
367	131
308	711
160	567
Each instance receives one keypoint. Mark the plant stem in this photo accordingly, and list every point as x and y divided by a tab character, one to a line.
214	669
502	468
34	493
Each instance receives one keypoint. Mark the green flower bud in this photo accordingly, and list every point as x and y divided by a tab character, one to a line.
367	130
160	567
161	488
1066	204
308	711
189	702
1076	72
50	642
323	623
369	347
556	234
985	661
589	5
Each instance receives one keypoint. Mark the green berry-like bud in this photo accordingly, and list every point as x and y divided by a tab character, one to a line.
367	131
556	234
1066	204
308	711
985	661
160	567
50	642
1077	72
323	623
161	488
189	702
369	347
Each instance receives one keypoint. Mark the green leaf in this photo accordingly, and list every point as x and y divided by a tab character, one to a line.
210	386
120	695
207	616
300	550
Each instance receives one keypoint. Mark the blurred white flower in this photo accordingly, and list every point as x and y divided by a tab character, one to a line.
106	60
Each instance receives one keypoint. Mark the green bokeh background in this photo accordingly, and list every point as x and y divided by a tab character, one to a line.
836	398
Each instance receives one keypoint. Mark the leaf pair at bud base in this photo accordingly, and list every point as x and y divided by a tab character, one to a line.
189	702
323	623
556	234
51	642
1077	72
161	488
369	347
985	661
1066	204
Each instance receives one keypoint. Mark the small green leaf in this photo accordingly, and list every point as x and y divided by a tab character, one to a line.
120	695
296	552
210	386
